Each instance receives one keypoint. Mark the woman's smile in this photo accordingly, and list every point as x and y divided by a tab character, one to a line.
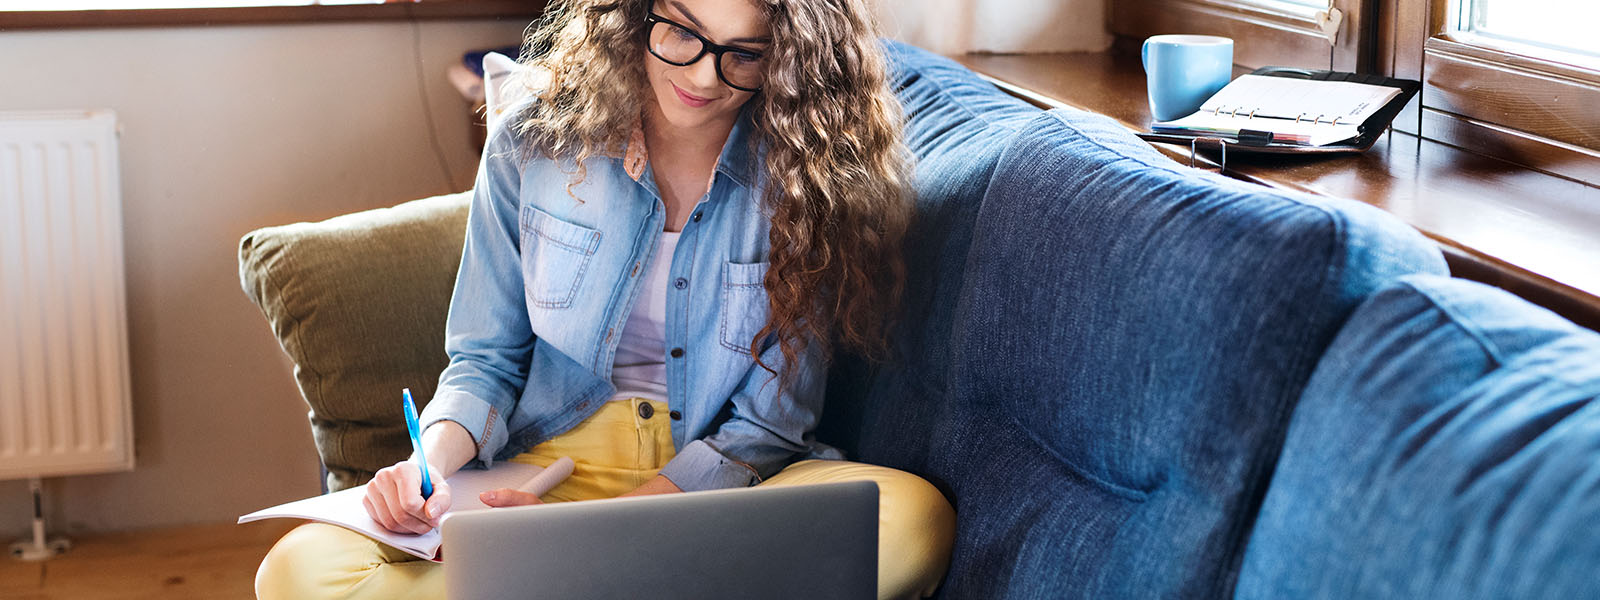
690	99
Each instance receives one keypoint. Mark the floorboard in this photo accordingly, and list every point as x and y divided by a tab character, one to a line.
204	561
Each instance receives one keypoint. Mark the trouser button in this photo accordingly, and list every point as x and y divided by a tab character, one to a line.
646	410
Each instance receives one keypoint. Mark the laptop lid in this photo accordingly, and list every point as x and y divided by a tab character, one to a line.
810	542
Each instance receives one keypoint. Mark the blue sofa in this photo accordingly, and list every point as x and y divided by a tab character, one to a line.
1132	379
1138	380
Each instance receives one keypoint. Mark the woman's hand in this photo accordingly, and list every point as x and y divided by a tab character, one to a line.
394	499
394	496
505	497
657	485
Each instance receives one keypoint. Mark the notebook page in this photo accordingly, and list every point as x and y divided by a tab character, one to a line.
1286	98
344	508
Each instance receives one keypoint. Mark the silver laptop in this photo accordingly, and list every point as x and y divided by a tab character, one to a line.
810	542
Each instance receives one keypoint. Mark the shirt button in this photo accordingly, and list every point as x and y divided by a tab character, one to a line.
676	416
697	217
677	353
646	410
680	283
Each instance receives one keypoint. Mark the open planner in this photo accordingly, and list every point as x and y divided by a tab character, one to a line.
1294	110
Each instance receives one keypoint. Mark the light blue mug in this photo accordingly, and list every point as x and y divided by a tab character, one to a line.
1182	71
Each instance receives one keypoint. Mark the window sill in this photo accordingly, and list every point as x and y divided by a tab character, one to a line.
253	15
1534	234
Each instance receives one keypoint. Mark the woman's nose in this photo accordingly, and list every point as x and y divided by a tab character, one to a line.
703	73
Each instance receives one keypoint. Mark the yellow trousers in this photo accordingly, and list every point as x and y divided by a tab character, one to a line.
615	451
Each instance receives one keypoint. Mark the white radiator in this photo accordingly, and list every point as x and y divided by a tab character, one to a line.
64	397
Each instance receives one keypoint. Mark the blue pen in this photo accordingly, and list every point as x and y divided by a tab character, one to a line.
416	441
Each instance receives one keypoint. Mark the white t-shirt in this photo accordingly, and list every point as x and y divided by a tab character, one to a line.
640	369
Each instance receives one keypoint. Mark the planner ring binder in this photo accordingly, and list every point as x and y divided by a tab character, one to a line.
1234	112
1292	118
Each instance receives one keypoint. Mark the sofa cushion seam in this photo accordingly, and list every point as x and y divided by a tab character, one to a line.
1462	323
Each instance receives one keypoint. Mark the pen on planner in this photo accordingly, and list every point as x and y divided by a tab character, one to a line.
416	441
1254	137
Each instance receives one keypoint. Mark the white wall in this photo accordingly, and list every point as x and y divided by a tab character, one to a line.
224	130
1001	26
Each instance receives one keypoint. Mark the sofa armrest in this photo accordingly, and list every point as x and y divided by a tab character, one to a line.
358	302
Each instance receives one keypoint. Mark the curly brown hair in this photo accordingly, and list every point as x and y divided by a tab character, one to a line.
837	170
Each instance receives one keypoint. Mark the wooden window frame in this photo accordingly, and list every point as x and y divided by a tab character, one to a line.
1262	35
253	15
1492	97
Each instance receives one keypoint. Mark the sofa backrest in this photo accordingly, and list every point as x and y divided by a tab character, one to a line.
1448	446
957	125
1130	340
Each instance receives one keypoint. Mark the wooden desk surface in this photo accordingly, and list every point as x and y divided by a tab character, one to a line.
1534	234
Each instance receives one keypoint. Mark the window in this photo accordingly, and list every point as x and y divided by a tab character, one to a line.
1561	28
1515	79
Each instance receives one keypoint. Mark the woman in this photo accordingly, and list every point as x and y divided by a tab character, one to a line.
698	202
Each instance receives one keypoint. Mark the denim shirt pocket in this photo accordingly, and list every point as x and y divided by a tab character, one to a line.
555	254
744	305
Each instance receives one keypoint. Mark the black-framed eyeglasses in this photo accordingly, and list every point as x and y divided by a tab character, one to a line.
678	45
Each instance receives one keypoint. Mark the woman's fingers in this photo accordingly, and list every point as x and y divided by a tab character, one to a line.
383	511
376	511
389	495
410	524
504	497
408	490
438	504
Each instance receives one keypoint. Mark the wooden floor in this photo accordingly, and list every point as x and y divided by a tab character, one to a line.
208	561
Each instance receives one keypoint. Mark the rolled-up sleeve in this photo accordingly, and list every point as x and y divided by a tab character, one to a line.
487	335
769	428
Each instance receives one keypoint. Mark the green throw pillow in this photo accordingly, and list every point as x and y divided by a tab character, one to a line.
358	302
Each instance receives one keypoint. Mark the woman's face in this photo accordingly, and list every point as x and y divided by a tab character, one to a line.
693	95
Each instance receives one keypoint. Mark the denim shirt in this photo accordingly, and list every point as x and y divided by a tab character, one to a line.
547	282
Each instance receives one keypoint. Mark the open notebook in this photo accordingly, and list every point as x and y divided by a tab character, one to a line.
1287	108
343	508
